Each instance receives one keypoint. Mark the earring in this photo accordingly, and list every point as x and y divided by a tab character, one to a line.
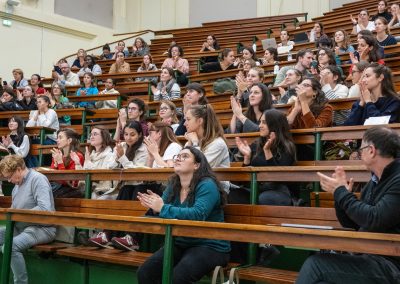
314	96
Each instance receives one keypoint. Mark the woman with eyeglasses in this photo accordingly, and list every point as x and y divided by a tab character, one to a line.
90	66
260	100
135	110
356	75
205	132
193	193
167	113
275	147
310	108
378	97
362	23
58	100
325	57
140	47
98	155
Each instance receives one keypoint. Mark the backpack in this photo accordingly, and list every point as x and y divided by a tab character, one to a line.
225	85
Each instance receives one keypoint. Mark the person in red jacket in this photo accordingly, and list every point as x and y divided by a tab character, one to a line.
65	157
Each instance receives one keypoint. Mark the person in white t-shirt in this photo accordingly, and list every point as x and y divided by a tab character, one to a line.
362	23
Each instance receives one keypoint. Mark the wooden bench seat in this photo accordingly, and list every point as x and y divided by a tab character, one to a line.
51	247
272	275
115	256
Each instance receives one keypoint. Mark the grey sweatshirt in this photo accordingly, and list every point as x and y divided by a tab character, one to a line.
34	194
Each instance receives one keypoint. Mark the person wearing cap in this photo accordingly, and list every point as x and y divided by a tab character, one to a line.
8	100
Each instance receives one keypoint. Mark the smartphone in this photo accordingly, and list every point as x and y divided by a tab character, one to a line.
314	64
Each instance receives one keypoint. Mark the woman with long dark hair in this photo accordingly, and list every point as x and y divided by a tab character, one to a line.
311	108
260	100
193	193
135	110
275	147
64	157
377	96
18	142
167	89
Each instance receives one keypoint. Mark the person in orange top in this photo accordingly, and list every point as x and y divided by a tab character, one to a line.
65	157
311	108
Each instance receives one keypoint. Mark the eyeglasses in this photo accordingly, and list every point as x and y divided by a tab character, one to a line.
180	157
164	108
359	151
306	85
132	108
94	134
322	54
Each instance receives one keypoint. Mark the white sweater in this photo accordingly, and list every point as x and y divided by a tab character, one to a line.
48	119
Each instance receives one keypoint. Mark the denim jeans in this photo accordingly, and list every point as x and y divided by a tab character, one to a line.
348	269
190	265
23	240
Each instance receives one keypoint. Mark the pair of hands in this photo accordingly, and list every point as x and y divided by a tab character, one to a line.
245	149
241	82
6	141
324	77
354	20
151	200
338	178
57	155
152	146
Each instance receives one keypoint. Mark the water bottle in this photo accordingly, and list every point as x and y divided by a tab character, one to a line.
289	56
276	68
254	46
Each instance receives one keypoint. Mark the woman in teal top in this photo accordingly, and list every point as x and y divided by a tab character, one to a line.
87	89
193	193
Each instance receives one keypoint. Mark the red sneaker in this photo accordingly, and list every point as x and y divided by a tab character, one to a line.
125	243
100	240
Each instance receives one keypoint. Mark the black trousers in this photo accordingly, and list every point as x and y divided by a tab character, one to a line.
348	269
190	265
